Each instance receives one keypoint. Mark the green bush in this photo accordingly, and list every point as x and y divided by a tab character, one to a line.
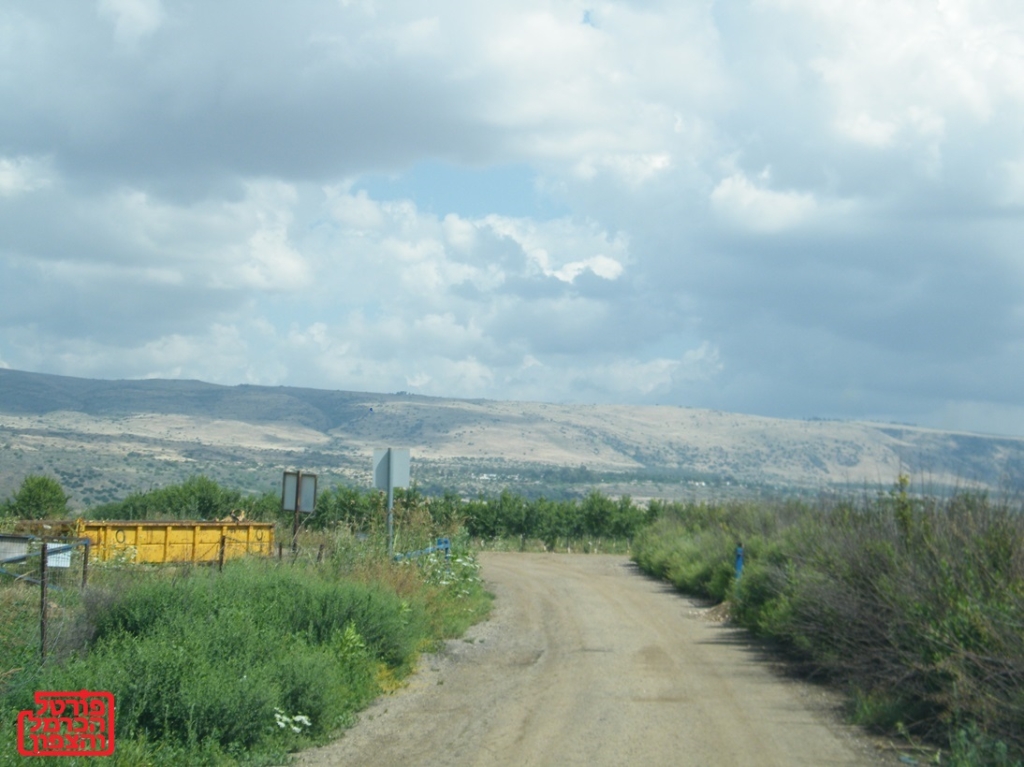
198	498
512	516
263	658
915	604
312	608
347	506
214	659
38	497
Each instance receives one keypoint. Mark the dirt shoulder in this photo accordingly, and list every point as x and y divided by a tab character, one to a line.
586	662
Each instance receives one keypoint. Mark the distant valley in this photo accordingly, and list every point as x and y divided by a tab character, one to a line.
104	439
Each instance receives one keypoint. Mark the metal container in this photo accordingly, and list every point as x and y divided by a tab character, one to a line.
164	541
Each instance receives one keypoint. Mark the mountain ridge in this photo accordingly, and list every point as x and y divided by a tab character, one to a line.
185	425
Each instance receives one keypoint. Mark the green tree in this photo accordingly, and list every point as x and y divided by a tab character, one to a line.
37	498
198	497
343	505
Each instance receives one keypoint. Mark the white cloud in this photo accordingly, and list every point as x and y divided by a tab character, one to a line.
659	375
700	364
634	169
759	209
418	381
636	377
606	95
867	130
271	263
19	175
226	245
467	376
133	19
911	67
604	267
562	249
419	37
219	354
459	233
356	211
207	218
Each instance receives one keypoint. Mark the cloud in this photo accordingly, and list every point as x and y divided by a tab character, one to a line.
400	297
123	263
602	266
655	376
959	54
634	169
20	175
268	261
562	249
790	207
759	209
218	354
133	19
356	211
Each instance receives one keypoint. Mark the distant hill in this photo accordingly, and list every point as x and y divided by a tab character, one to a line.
106	438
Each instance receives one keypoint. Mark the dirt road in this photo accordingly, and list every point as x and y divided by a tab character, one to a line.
587	662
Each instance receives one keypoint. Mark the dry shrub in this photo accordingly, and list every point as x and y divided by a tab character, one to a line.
914	604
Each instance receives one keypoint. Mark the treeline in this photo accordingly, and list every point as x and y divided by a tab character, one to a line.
596	516
505	515
914	605
199	497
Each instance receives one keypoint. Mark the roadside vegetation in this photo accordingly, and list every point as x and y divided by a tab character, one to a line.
276	653
245	665
914	605
504	520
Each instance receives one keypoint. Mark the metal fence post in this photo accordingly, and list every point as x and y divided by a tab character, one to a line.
42	601
85	563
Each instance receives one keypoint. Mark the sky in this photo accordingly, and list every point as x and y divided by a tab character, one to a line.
788	208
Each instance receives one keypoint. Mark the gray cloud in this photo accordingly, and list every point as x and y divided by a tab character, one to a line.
785	208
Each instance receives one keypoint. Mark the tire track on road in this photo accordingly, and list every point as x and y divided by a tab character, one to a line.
586	662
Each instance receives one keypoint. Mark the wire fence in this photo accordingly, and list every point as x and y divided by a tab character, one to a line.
54	571
44	582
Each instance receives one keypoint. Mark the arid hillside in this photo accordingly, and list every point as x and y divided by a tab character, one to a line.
106	438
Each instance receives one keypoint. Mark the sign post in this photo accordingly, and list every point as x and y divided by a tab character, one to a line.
298	495
391	470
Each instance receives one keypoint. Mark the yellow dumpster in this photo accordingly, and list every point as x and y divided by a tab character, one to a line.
176	541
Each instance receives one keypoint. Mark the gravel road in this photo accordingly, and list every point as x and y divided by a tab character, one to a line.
587	662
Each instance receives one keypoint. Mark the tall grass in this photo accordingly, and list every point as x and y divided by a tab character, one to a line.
915	605
244	665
